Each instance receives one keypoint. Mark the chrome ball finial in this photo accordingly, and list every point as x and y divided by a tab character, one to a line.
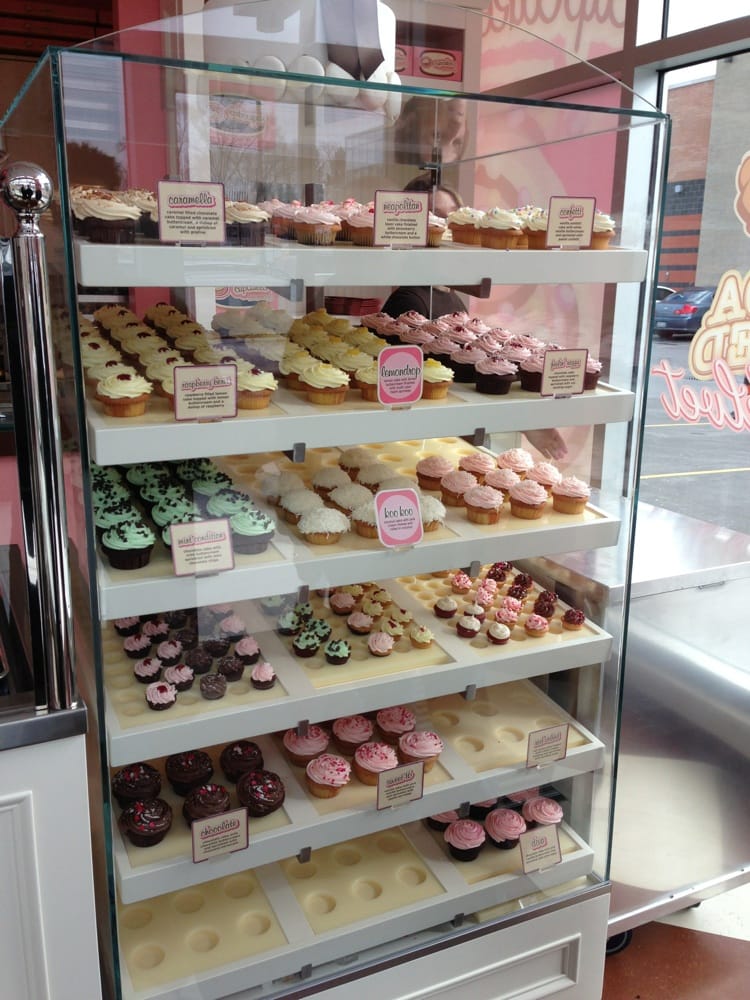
26	188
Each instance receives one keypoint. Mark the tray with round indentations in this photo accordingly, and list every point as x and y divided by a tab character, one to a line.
225	935
457	542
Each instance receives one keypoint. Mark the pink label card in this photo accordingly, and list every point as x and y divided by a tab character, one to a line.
400	785
400	375
540	848
546	745
401	218
217	835
399	517
201	547
564	372
570	222
191	212
205	392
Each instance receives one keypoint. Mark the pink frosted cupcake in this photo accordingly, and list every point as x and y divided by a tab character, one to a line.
393	722
479	463
371	759
351	732
380	644
570	496
544	473
465	839
495	375
302	749
518	460
431	470
454	485
527	500
503	828
248	650
541	811
483	504
502	479
315	226
326	775
420	746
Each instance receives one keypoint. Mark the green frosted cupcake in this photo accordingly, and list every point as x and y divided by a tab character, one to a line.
252	530
128	545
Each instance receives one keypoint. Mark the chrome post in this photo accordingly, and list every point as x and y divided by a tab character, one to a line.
27	189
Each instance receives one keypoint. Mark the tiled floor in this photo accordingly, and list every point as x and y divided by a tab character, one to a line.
697	954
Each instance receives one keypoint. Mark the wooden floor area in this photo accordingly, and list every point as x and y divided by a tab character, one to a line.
664	962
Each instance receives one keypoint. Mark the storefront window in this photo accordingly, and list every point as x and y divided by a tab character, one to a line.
685	15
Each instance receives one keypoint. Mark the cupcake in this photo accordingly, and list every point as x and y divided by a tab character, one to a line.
134	782
445	607
361	227
464	225
527	500
252	530
239	757
441	821
501	229
498	633
592	373
518	460
483	504
246	224
544	473
205	801
359	623
315	227
394	722
325	385
295	504
337	652
465	839
127	626
124	395
302	749
461	583
180	675
231	668
536	626
603	231
342	604
433	513
503	828
380	644
232	628
371	759
160	696
254	388
326	775
261	792
188	770
437	379
478	463
328	478
531	370
351	732
263	676
573	619
454	485
495	375
420	637
248	650
541	811
323	527
431	470
349	498
353	459
213	687
535	228
146	823
570	496
128	545
420	746
104	216
468	626
169	652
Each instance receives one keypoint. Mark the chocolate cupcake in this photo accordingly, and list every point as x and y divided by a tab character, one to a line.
160	696
204	801
240	757
198	660
136	781
262	792
262	676
187	637
146	823
216	647
231	667
180	675
147	670
188	769
213	686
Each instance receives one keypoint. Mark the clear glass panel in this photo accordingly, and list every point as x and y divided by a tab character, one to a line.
274	139
684	16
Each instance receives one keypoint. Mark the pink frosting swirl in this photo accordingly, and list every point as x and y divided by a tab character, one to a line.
262	673
528	492
380	642
341	602
463	337
359	620
542	810
445	817
147	668
461	580
375	757
504	824
534	363
484	497
506	617
517	459
417	335
247	646
413	318
161	693
572	487
168	650
478	463
232	624
525	793
137	642
501	479
316	216
420	743
468	356
496	365
544	473
513	604
314	742
465	834
328	769
396	719
537	623
434	466
515	354
353	729
180	674
443	344
593	367
458	482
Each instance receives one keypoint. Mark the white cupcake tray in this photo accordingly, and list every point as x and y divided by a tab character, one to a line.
485	755
225	936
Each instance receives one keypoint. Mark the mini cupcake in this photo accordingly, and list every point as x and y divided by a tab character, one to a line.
342	604
135	646
306	644
213	687
147	670
573	619
326	775
503	828
351	732
302	749
359	623
420	637
248	650
570	496
231	667
232	628
380	644
445	607
483	504
527	500
468	627
431	470
263	676
536	626
160	696
498	634
337	652
372	759
127	626
180	675
169	652
420	746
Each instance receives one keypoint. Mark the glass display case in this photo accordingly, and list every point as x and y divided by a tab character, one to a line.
234	574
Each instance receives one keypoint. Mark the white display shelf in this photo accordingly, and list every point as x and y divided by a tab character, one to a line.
315	823
280	262
300	695
290	420
295	943
290	563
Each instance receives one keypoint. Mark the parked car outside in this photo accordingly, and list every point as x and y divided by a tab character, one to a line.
681	312
662	291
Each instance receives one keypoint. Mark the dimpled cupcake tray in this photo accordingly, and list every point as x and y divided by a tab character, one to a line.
224	935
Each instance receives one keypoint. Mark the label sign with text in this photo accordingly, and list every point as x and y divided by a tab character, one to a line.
546	745
570	222
399	517
564	372
205	392
400	375
217	835
191	212
201	547
400	785
540	848
401	218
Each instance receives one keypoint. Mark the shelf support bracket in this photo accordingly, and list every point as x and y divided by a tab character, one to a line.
304	855
302	727
297	452
479	291
458	920
471	692
478	438
463	809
